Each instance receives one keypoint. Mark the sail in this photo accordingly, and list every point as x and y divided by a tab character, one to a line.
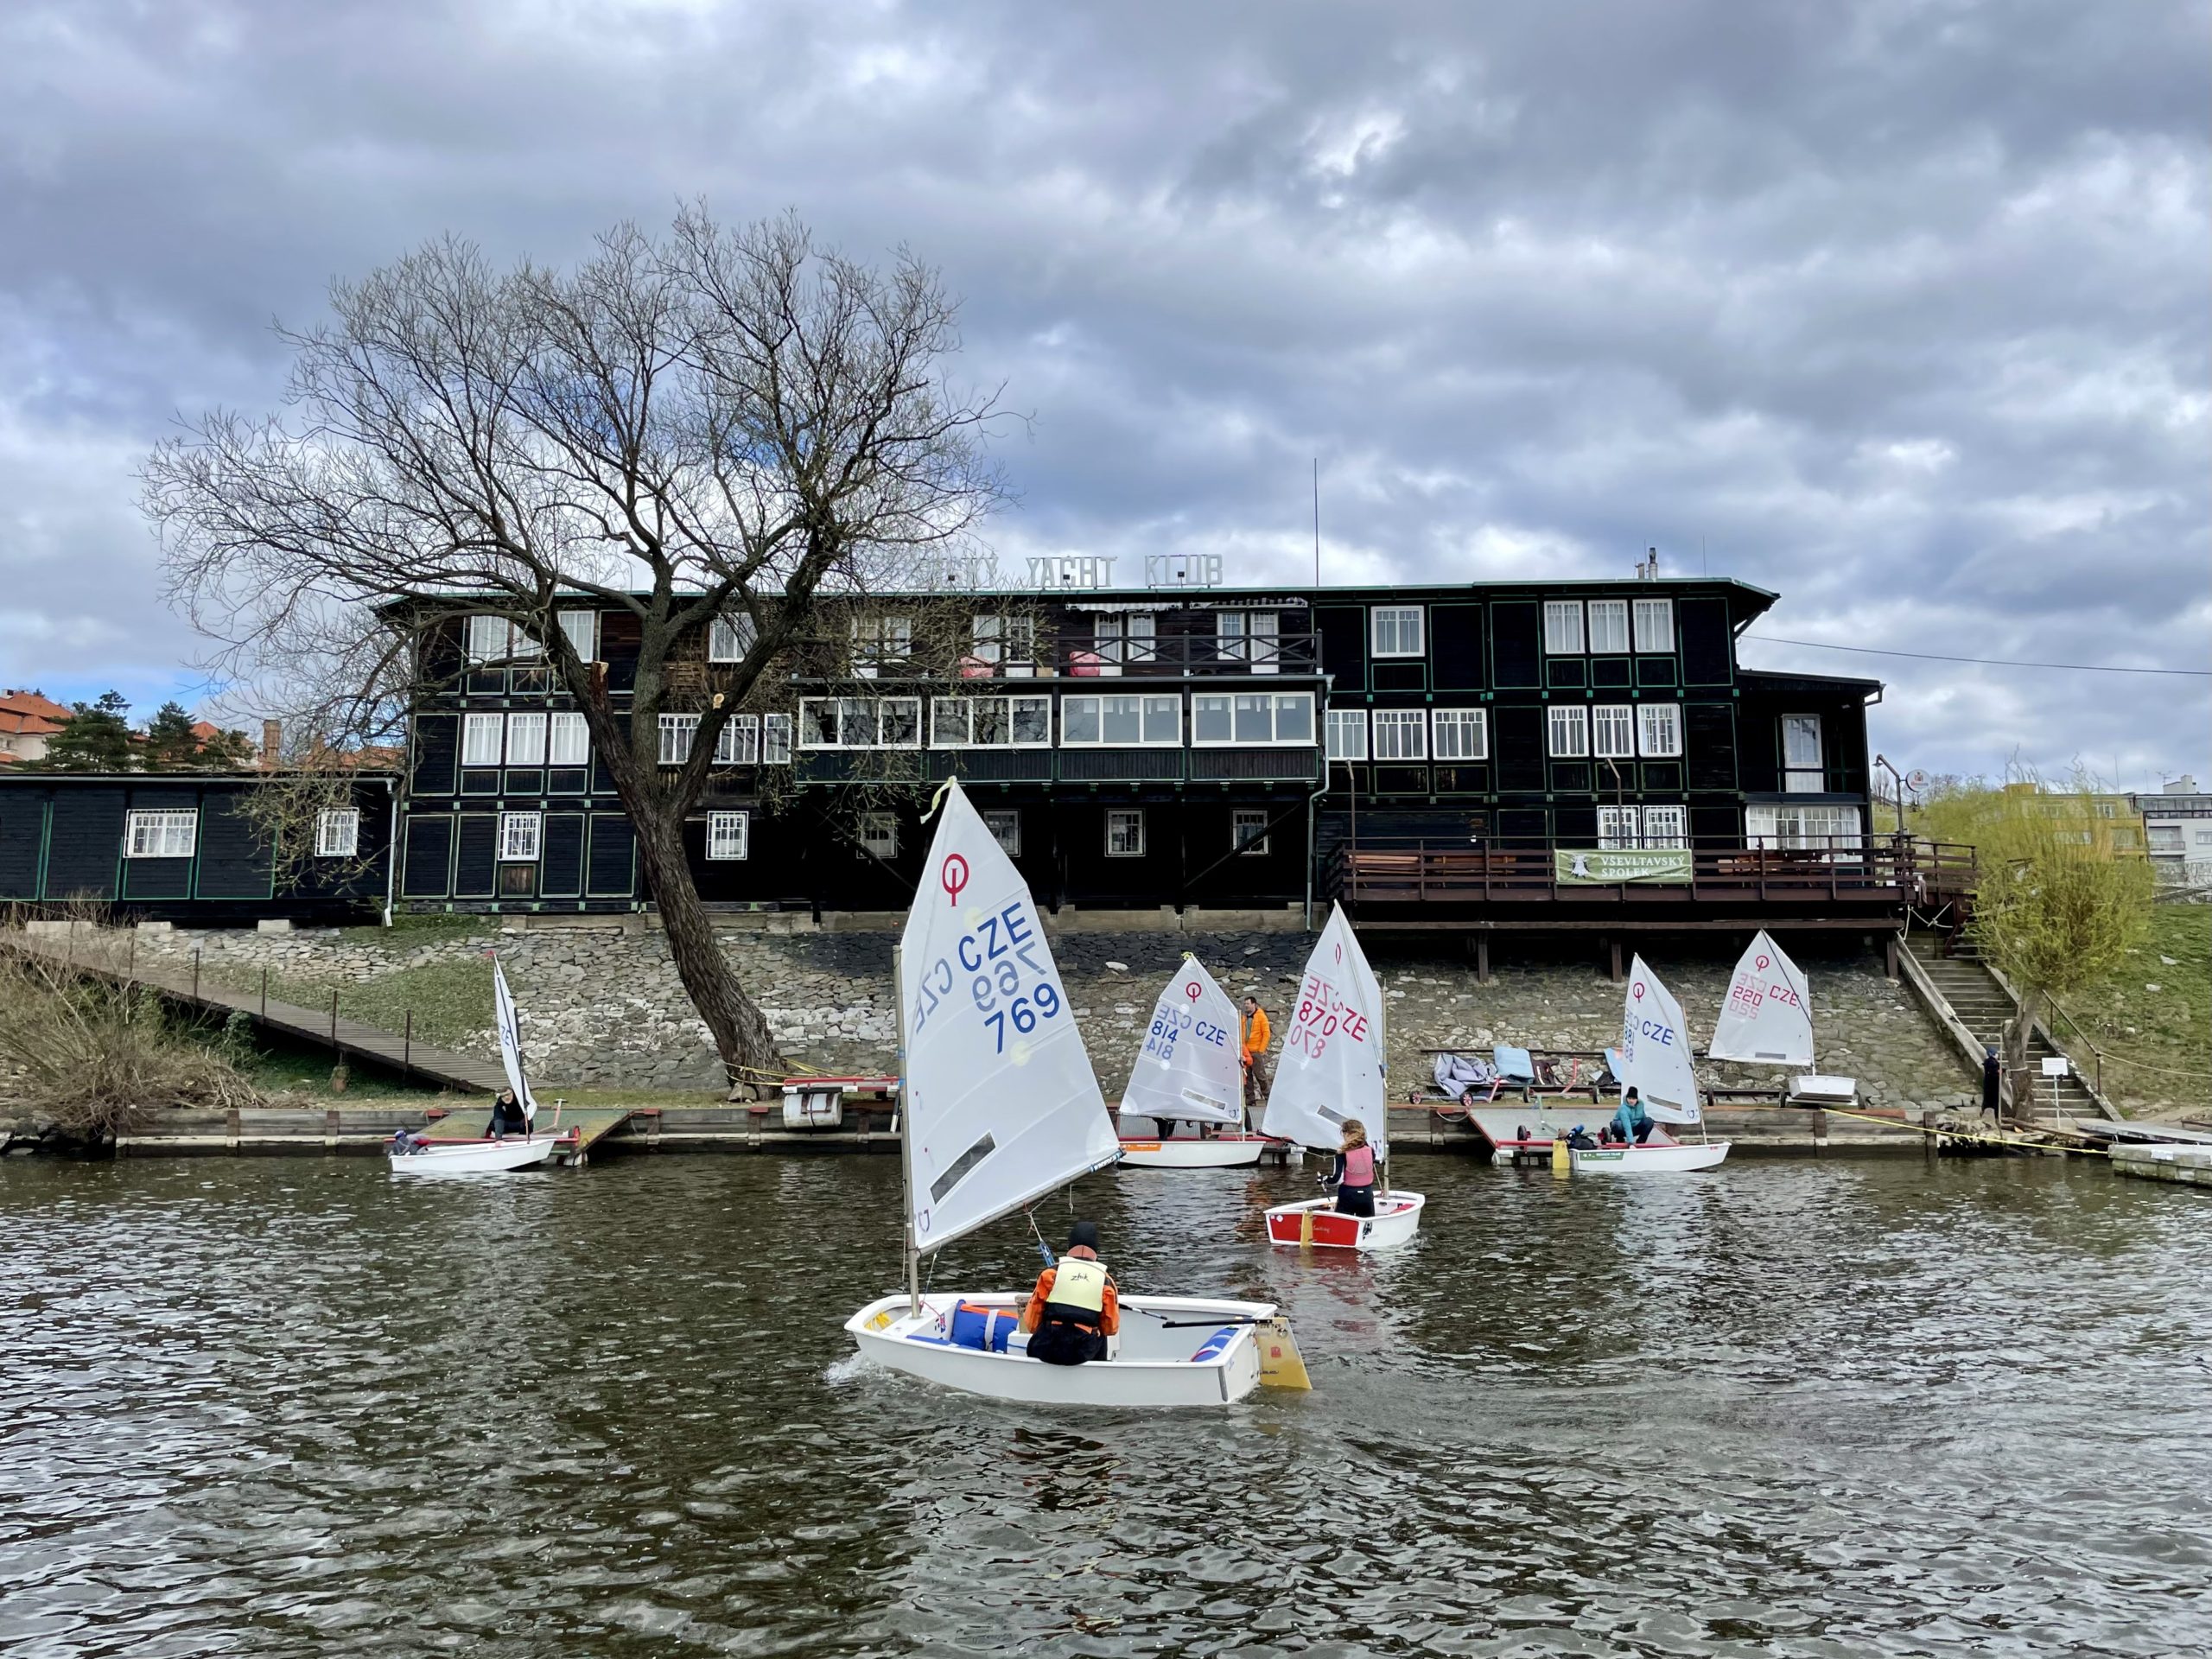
1189	1066
1332	1064
1655	1050
1001	1104
510	1024
1768	1013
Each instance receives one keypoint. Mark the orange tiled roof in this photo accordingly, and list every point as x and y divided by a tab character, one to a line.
26	711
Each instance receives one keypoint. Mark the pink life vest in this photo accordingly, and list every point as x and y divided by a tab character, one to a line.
1359	1166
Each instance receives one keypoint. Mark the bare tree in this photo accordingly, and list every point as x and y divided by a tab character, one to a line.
710	424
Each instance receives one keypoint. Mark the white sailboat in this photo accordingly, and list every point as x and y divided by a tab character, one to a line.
1190	1069
1767	1018
1333	1067
999	1108
429	1159
1656	1062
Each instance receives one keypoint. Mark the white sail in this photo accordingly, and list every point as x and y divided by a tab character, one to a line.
1189	1065
510	1024
1768	1013
1332	1062
1001	1104
1655	1050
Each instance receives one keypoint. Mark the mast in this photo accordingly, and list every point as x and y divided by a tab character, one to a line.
1383	1031
906	1135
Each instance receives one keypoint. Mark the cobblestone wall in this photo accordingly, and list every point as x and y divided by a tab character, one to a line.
605	1007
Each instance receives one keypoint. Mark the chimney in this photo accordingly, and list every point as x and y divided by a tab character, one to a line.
2184	784
1652	574
272	733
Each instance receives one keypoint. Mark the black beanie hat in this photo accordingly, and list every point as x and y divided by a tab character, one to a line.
1083	1235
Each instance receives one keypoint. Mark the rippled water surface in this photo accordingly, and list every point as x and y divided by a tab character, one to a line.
1837	1408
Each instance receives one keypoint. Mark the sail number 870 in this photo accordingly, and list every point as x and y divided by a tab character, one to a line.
1001	1000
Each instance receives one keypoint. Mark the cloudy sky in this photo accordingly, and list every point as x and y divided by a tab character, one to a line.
1898	309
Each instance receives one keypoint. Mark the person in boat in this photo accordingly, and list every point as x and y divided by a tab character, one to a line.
1631	1123
1075	1306
405	1141
507	1117
1354	1173
1256	1036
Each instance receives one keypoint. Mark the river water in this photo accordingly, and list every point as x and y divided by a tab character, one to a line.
1841	1408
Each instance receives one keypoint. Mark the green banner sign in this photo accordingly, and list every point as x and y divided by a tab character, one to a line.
1592	867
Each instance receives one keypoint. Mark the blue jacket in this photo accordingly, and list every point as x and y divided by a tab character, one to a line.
1630	1115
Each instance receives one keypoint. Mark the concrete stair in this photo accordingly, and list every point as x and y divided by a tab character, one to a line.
1985	1008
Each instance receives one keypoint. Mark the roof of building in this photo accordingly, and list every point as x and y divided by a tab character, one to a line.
1773	680
31	712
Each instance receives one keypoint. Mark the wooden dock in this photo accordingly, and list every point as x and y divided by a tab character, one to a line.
104	954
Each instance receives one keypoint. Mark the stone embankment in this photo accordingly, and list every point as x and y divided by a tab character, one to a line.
602	1005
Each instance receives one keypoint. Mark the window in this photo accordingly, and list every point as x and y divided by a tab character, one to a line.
1401	734
1122	722
1617	827
1126	639
1563	627
162	834
570	742
1620	827
1794	827
1665	826
1801	755
730	638
776	739
582	628
1659	730
1125	832
518	837
728	836
879	834
1347	734
1459	733
991	723
860	722
739	742
1570	733
337	832
676	732
1654	625
1248	830
1395	630
1249	637
1608	625
1612	730
1251	718
495	639
1005	824
1007	645
481	738
526	740
880	642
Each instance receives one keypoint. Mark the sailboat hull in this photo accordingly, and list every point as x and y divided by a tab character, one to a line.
1317	1222
1172	1351
1191	1152
475	1157
1648	1159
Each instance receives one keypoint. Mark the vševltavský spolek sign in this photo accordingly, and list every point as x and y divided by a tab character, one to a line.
1592	867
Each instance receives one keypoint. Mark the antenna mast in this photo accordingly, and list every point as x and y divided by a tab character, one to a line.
1317	521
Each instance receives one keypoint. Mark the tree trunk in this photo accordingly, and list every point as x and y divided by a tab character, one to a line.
741	1031
2017	1036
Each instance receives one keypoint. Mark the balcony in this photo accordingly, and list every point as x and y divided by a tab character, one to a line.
1170	656
1299	764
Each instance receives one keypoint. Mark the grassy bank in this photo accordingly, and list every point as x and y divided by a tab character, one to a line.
2153	1019
448	999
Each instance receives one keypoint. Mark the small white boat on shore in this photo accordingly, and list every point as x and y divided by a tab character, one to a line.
1189	1070
1655	1061
1654	1157
419	1158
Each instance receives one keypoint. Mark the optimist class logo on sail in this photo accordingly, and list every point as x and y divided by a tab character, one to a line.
1657	1030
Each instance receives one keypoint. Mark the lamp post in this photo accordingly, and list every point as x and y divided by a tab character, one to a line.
1899	780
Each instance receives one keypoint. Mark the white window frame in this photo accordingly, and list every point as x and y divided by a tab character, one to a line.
497	640
1007	645
338	832
730	836
1005	824
1459	733
1387	627
1151	706
1127	640
521	835
1244	818
1612	731
1667	826
1787	826
1345	726
1619	828
879	833
162	832
481	732
1125	818
583	630
912	706
1659	730
1252	638
776	739
964	726
731	639
1399	733
1614	613
1277	701
677	734
739	743
568	740
1798	778
878	641
1563	628
526	738
1567	731
1654	625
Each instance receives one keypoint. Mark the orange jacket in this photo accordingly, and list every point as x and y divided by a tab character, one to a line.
1109	1313
1256	1033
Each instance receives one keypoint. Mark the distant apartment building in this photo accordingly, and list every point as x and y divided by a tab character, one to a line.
28	722
2178	826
